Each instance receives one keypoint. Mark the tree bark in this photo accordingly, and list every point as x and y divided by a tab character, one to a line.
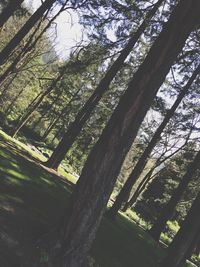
84	114
8	11
91	194
14	42
124	194
167	212
178	249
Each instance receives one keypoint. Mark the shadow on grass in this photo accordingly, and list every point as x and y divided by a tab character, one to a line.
32	202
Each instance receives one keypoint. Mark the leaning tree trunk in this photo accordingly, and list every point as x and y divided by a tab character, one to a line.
8	11
178	249
14	42
30	44
148	177
35	105
167	212
103	164
124	194
84	114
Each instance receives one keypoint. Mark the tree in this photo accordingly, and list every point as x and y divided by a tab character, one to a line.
178	249
14	42
167	212
84	114
103	164
8	11
124	194
148	177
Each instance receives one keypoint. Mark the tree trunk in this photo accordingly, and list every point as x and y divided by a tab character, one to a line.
61	114
124	194
178	249
84	114
36	104
148	177
92	192
138	190
167	212
9	10
14	42
9	108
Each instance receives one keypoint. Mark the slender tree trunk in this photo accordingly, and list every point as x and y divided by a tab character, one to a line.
178	249
9	108
63	111
148	177
167	212
84	114
9	10
4	91
36	104
14	42
138	190
30	44
92	192
124	194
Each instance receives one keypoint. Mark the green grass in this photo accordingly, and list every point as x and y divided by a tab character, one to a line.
33	201
21	149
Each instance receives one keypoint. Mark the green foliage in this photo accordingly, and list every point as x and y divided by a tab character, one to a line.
160	190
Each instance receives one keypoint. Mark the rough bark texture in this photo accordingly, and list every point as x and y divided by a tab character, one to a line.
167	212
84	114
178	250
9	10
14	42
99	174
124	194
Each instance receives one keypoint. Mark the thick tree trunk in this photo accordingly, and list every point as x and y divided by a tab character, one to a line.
100	172
14	42
9	10
124	194
178	249
84	114
167	212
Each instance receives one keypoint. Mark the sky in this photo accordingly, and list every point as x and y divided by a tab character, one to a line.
66	33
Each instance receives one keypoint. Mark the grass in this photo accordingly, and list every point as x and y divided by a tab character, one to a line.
27	151
33	201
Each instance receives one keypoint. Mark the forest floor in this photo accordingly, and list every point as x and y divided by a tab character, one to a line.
32	202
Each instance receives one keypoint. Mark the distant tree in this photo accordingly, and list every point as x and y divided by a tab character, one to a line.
150	176
168	210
